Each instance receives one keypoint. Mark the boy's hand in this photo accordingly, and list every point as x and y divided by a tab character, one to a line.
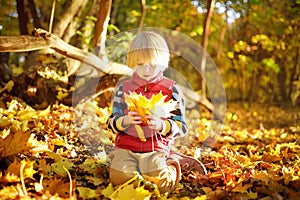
154	122
131	118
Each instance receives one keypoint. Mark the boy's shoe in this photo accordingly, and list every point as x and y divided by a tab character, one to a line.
188	163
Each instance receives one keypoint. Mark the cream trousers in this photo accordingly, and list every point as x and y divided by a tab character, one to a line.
153	166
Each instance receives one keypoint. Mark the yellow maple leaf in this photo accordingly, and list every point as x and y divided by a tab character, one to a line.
138	103
129	193
28	168
157	99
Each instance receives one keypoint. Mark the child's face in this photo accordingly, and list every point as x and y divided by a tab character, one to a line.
147	71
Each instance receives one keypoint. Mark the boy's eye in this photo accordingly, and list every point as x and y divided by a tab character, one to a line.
146	65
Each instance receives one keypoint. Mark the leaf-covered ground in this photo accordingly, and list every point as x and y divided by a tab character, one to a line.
62	153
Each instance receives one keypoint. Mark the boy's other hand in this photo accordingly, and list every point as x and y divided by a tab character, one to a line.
154	122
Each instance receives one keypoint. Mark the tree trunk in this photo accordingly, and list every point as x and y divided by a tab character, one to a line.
114	13
61	27
36	20
254	79
221	40
86	28
294	74
207	20
6	71
281	77
210	10
23	18
143	13
101	28
243	81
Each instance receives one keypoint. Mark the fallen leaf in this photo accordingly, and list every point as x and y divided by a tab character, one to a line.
58	167
43	167
11	178
263	176
8	86
108	191
87	193
9	192
12	174
202	197
95	180
15	143
57	186
129	193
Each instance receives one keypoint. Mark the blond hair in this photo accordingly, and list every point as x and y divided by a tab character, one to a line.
148	48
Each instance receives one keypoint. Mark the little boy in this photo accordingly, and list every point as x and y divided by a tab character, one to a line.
149	56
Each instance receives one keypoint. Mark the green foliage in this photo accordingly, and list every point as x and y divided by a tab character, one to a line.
117	46
270	63
265	35
88	26
9	18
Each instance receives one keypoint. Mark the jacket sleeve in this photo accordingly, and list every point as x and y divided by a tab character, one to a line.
114	121
176	125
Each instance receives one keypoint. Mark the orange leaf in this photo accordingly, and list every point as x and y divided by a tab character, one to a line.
15	143
51	185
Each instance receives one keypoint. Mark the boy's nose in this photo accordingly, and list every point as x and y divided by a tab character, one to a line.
147	68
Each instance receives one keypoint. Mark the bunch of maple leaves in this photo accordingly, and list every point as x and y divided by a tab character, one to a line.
143	106
69	147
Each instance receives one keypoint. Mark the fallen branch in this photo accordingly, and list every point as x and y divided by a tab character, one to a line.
42	39
22	43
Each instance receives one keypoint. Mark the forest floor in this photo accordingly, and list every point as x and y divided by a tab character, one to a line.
255	156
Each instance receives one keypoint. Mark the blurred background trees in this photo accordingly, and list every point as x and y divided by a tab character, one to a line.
254	43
